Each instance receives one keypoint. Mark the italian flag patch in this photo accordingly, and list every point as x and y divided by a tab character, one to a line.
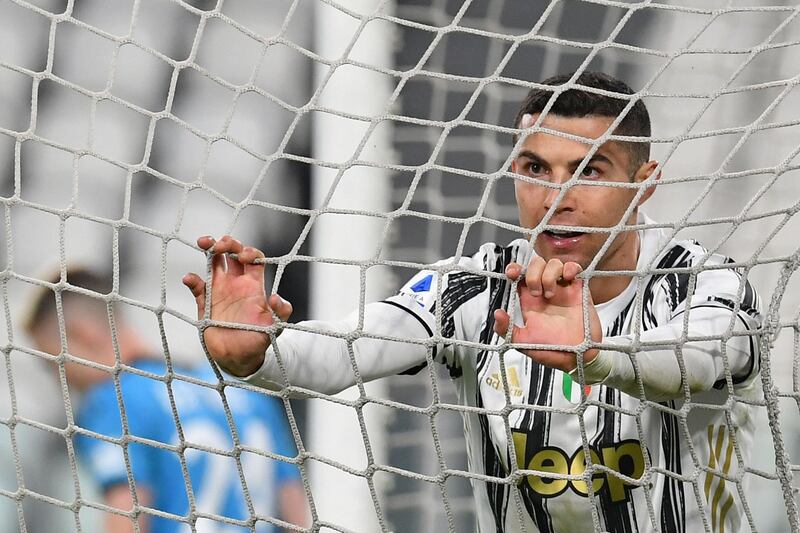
572	390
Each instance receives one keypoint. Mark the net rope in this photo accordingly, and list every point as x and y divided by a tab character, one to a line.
439	23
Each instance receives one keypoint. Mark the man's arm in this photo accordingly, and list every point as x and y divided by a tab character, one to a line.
322	362
292	502
659	349
105	461
315	361
119	497
553	313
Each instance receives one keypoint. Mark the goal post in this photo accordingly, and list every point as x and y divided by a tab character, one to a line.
351	436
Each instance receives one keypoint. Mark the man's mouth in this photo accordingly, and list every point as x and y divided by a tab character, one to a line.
559	234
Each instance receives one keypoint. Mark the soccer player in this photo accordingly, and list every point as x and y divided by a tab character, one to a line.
661	332
273	486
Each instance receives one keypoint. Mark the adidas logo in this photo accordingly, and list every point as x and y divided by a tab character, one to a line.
496	381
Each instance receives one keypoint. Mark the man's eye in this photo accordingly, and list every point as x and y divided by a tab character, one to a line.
589	173
535	168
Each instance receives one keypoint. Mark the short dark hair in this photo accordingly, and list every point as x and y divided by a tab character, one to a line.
43	304
576	102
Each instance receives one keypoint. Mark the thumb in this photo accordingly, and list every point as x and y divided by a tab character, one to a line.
283	308
198	287
501	322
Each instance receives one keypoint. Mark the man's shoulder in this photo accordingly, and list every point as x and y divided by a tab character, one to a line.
680	254
717	277
661	248
678	260
491	256
143	391
675	253
133	378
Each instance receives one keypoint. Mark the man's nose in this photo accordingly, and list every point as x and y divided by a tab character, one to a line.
559	178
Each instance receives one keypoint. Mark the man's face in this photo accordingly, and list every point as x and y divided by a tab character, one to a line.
85	340
555	159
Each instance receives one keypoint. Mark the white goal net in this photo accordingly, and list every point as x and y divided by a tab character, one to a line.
357	143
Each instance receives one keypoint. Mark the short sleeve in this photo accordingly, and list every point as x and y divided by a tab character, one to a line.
100	413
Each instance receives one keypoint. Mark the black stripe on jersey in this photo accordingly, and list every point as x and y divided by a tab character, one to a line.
499	295
617	516
497	493
673	506
750	303
461	287
537	424
677	284
410	312
750	300
730	304
678	288
414	369
619	322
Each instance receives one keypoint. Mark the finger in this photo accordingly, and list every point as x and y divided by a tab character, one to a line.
533	277
227	245
527	301
247	259
206	242
501	322
514	271
552	273
283	308
198	288
218	263
571	271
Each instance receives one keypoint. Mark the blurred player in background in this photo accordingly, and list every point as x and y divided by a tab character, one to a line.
214	484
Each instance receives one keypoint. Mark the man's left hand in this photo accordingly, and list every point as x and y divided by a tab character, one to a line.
551	303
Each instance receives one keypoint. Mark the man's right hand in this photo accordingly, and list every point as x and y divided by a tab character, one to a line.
237	296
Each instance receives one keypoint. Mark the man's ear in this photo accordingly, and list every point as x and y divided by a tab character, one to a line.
644	174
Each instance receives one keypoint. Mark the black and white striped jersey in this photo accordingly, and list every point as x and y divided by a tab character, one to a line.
658	465
661	452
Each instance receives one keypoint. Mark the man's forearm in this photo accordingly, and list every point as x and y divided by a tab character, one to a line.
322	363
293	505
657	360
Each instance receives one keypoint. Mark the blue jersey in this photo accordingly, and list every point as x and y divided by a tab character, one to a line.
215	482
